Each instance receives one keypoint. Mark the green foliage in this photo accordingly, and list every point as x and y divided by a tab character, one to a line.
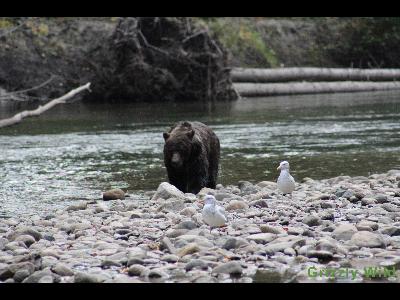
367	42
243	41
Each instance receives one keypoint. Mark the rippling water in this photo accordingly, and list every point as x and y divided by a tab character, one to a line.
76	151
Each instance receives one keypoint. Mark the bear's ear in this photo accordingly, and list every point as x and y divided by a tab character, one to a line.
190	134
166	136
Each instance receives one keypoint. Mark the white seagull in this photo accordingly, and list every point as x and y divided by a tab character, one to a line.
286	183
213	214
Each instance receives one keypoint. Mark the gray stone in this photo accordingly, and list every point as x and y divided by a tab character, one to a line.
79	206
136	270
272	229
196	264
28	240
171	258
36	276
82	277
344	232
368	201
232	267
368	239
281	243
236	205
20	275
261	238
187	225
234	243
390	207
172	205
381	198
25	231
46	279
312	220
367	223
157	273
259	203
62	270
166	191
167	244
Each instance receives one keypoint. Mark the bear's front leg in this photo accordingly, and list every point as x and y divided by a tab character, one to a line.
197	181
178	180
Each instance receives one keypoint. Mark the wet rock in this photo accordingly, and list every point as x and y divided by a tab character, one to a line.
232	267
368	239
114	194
320	254
344	232
166	191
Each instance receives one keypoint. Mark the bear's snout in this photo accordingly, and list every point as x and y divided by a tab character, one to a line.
176	160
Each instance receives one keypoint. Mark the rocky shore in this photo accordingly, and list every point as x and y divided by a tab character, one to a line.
338	223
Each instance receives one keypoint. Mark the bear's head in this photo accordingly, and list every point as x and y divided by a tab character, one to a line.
181	147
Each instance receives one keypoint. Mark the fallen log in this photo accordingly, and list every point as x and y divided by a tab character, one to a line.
41	109
269	89
313	74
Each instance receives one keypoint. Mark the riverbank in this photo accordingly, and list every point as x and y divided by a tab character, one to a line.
337	223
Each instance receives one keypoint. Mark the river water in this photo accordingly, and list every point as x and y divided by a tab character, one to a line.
78	150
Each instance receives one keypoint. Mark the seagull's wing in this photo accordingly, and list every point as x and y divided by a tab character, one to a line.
222	211
291	178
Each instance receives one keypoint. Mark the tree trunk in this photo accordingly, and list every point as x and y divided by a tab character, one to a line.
313	74
269	89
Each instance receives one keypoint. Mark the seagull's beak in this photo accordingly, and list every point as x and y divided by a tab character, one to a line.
278	168
201	202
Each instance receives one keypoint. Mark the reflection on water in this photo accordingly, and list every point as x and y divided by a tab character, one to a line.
78	150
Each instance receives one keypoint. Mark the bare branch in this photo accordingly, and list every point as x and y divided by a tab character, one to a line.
41	109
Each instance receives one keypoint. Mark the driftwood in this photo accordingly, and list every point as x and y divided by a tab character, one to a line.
41	109
269	89
313	74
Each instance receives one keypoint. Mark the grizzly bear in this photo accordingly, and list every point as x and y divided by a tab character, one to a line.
191	156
